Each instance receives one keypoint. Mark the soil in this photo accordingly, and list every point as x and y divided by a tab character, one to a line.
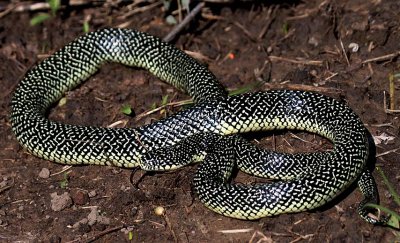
307	45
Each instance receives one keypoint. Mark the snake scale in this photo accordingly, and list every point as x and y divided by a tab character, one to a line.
204	131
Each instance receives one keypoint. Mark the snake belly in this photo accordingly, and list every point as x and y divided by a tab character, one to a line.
310	180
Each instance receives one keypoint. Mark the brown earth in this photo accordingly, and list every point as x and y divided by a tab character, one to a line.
242	43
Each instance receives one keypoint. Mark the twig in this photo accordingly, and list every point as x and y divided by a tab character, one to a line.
303	140
7	10
245	31
170	227
391	92
300	237
304	62
180	11
263	238
384	125
97	236
22	7
330	77
270	17
32	7
156	223
235	231
344	53
114	124
65	168
303	87
141	9
5	188
382	58
389	111
387	152
173	104
178	28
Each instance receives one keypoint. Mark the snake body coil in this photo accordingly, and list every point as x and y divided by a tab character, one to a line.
308	180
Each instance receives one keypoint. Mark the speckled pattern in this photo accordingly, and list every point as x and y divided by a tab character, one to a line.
310	180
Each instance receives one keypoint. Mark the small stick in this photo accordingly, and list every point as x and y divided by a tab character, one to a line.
391	91
263	238
179	11
235	231
5	188
7	10
387	152
388	111
330	77
65	168
141	9
303	87
304	62
44	6
245	31
178	28
170	227
173	104
382	58
97	236
270	17
344	53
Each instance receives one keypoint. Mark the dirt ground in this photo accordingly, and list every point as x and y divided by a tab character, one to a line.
307	45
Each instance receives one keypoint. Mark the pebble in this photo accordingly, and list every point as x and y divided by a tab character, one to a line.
3	184
44	173
93	218
80	197
92	193
60	202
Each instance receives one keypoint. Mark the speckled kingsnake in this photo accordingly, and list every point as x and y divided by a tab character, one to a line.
307	180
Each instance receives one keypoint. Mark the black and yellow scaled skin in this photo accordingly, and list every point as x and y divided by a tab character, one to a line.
202	131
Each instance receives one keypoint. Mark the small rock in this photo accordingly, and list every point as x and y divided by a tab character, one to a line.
92	217
77	224
103	220
60	202
3	184
80	197
44	173
313	41
92	193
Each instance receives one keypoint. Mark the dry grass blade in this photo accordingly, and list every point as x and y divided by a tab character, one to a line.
170	104
382	58
178	28
235	231
296	61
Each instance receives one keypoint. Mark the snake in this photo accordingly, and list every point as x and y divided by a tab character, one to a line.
207	131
